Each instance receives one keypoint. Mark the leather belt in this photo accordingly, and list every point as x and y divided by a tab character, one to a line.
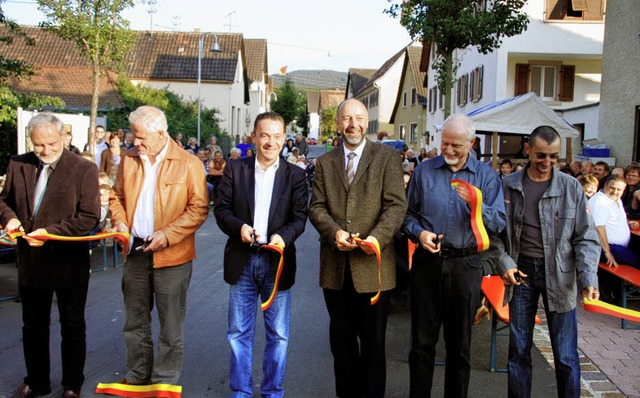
451	252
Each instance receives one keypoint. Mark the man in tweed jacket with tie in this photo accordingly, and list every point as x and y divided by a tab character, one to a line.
357	192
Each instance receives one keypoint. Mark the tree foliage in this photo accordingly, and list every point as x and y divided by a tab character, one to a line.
328	122
97	28
9	103
181	115
457	24
9	30
288	102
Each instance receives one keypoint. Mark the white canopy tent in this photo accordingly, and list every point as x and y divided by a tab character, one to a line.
519	115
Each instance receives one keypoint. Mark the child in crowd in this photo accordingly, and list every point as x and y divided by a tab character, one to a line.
590	185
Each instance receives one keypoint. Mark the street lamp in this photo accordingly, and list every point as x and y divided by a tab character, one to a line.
215	49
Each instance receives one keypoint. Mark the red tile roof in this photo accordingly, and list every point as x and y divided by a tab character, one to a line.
72	85
155	56
256	55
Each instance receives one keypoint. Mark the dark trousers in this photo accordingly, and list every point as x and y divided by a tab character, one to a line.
357	337
36	316
444	292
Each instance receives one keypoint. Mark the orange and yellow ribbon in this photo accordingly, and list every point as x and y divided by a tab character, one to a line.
120	237
152	390
280	250
375	246
601	307
477	226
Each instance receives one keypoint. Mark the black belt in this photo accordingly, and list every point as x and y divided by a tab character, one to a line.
451	252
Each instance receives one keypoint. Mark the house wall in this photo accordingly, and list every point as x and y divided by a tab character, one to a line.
388	86
589	117
621	79
225	96
314	125
411	113
573	43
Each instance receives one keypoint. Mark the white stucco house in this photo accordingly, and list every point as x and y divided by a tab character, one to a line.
559	57
379	93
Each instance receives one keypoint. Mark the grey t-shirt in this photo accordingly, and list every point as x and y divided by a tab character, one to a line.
531	237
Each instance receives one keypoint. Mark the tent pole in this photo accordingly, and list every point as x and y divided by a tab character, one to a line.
569	156
494	152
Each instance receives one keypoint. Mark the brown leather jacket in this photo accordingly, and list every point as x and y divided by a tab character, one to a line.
181	201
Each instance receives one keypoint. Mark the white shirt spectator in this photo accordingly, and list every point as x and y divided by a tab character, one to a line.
610	214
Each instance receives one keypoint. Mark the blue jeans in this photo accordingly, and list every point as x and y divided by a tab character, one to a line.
257	280
563	331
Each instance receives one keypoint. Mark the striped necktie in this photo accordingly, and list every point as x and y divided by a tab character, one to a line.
350	172
41	187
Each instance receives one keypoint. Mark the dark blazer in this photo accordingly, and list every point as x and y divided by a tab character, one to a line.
70	207
375	204
287	214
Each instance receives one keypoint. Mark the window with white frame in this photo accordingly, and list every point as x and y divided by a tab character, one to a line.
543	81
402	132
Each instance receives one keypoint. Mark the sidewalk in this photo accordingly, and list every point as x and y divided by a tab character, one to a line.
609	355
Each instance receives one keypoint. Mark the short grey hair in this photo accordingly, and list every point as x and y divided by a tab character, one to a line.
468	123
152	118
43	120
236	150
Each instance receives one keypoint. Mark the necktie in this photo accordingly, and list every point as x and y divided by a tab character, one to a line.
41	187
350	172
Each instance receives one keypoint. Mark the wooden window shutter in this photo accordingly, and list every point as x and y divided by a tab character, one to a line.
579	5
594	10
555	9
480	75
567	80
522	79
472	85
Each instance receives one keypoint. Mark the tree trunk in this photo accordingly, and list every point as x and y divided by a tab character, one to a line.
448	82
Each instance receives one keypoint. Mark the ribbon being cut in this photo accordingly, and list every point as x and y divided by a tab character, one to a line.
152	390
376	248
120	237
601	307
477	226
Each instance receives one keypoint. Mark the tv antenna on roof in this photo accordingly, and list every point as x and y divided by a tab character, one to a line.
230	17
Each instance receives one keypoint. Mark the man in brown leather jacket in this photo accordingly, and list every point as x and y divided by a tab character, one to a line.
160	196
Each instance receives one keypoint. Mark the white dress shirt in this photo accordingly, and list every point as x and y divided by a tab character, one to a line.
143	218
264	180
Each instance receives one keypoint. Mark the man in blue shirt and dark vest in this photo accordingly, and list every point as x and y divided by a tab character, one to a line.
447	272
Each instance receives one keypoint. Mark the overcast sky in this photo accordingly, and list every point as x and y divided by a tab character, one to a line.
311	34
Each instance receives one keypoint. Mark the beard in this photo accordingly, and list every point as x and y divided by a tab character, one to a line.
353	140
452	161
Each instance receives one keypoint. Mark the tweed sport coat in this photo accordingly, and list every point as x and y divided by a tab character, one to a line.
70	207
374	205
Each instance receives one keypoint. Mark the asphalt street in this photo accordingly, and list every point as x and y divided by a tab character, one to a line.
309	371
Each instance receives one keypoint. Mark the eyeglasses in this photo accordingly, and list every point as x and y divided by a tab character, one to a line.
553	156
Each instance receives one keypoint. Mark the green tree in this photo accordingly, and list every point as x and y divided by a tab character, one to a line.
328	122
9	103
288	102
458	24
101	34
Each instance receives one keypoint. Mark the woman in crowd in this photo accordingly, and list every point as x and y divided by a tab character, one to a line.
631	194
110	158
423	154
216	168
288	148
250	152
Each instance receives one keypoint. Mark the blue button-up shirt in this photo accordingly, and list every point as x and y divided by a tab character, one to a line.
435	206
